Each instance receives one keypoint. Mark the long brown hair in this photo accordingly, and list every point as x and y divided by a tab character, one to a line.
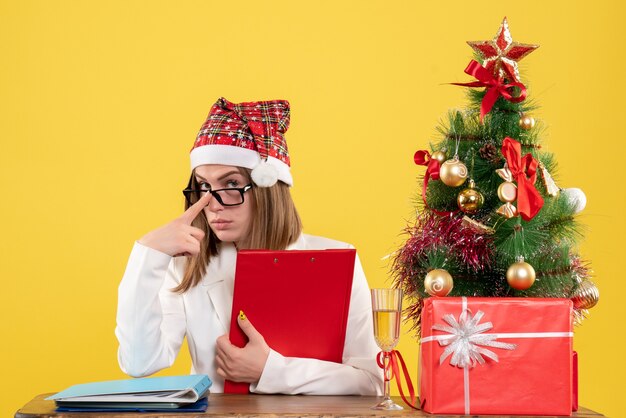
275	225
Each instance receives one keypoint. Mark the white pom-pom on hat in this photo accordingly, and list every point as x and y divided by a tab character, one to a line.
264	174
576	197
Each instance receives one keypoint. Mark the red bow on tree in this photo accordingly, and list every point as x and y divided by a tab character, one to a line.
495	87
422	157
524	171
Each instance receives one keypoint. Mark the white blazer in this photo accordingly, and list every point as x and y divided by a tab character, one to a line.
152	322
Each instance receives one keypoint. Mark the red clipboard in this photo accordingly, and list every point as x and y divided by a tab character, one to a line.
298	300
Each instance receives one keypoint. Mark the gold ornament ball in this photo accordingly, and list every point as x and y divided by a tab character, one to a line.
526	122
438	282
453	172
507	192
439	156
520	275
586	296
470	200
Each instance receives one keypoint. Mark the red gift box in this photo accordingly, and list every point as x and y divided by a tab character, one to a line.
574	381
496	356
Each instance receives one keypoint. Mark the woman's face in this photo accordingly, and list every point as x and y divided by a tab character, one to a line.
228	223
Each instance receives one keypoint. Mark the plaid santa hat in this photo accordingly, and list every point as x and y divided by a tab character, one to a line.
250	135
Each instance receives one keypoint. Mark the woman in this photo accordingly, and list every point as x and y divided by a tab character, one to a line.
180	277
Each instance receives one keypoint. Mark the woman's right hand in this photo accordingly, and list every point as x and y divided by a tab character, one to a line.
178	237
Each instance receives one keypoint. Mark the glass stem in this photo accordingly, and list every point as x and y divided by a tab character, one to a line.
387	377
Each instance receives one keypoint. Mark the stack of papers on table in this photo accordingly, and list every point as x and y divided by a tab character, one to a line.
180	393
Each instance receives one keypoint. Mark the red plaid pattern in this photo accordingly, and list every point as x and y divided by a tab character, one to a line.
258	126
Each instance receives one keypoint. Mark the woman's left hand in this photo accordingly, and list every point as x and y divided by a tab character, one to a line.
242	364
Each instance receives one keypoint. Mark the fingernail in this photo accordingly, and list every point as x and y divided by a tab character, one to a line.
242	315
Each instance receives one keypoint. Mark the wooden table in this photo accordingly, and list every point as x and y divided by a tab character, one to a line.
257	406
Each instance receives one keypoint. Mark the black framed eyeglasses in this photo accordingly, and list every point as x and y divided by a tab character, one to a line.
232	196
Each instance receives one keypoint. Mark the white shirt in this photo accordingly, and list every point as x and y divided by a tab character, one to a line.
152	322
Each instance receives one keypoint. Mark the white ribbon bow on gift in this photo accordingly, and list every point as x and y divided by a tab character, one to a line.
466	342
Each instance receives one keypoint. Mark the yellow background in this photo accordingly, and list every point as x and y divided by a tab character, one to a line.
101	101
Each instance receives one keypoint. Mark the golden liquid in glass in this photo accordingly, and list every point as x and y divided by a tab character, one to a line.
386	329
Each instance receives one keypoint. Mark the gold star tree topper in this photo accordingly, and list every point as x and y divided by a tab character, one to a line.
501	54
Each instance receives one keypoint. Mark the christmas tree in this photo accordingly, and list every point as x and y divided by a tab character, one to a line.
491	220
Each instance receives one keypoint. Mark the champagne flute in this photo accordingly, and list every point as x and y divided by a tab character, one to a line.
387	309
